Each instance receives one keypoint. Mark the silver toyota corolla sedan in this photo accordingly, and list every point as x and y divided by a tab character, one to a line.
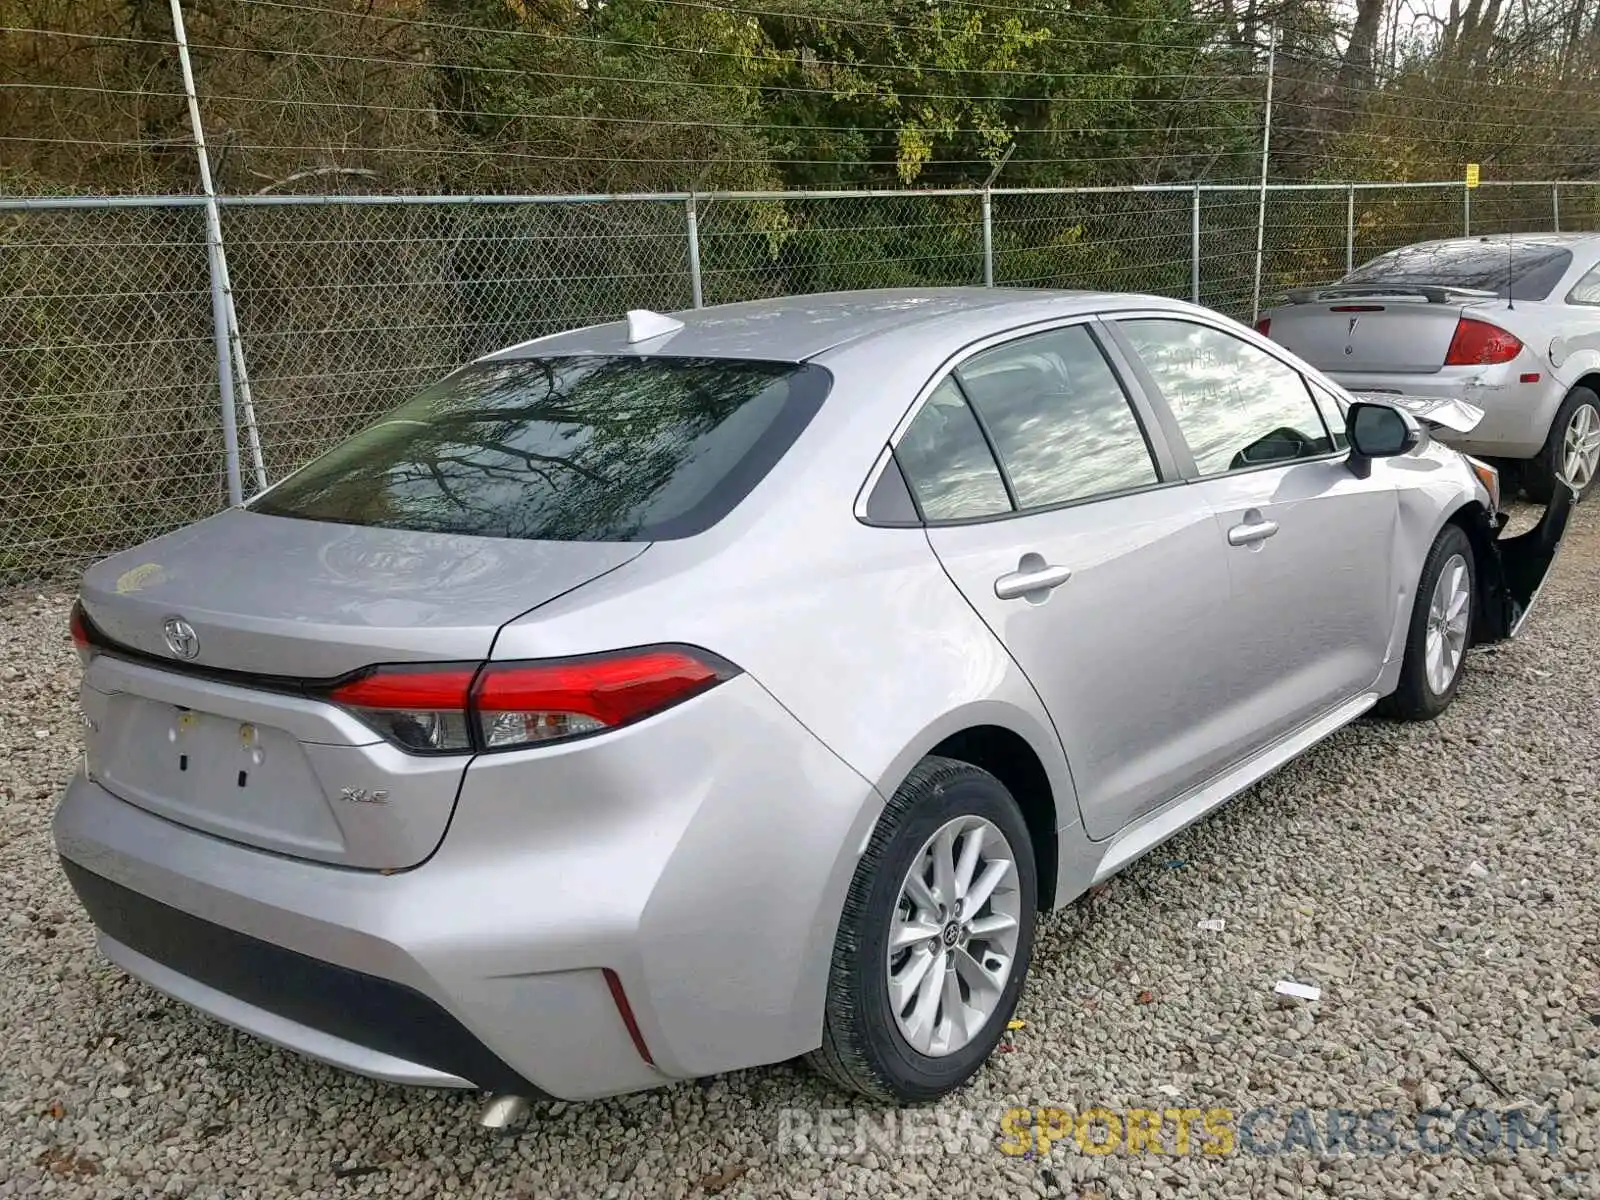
690	693
1510	324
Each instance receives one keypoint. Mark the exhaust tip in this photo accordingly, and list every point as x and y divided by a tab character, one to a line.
502	1112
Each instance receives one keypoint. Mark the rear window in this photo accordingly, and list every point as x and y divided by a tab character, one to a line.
597	448
1524	272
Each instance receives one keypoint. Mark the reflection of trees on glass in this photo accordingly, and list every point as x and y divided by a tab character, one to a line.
572	449
1526	270
947	462
1227	395
1059	418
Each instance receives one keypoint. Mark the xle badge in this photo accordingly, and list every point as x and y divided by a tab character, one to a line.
364	795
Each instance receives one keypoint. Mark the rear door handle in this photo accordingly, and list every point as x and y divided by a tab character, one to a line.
1031	580
1251	533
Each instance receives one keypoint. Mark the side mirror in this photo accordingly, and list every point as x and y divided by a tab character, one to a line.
1378	431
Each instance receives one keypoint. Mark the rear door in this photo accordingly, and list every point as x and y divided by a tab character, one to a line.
1309	546
1056	512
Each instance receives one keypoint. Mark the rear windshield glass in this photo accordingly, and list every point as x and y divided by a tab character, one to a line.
1532	270
602	448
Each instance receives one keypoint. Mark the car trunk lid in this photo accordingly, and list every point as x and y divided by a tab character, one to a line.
1372	330
237	739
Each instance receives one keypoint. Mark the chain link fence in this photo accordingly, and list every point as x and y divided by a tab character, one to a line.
110	425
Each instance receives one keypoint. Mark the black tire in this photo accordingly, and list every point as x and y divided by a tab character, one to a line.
862	1048
1539	477
1415	698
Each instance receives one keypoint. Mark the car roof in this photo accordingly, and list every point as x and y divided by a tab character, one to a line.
1519	239
798	328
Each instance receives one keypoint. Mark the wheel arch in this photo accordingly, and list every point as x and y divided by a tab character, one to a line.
1025	757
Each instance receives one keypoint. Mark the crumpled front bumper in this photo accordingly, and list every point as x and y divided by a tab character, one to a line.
1518	567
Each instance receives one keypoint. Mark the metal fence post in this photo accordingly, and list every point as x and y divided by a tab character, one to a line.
1555	207
1194	245
1266	148
1466	212
987	202
1350	230
214	260
693	218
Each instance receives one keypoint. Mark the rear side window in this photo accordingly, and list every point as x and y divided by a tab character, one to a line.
1587	289
1524	271
1058	418
582	448
947	461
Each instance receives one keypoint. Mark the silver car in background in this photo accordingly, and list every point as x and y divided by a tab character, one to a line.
1510	324
696	692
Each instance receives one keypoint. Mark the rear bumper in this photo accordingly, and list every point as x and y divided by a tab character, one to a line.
1516	416
702	857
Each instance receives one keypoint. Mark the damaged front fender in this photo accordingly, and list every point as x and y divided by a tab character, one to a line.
1516	568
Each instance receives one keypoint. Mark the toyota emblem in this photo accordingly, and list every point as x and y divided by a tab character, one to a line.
182	640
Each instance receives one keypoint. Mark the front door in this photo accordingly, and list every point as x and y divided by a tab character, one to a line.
1309	546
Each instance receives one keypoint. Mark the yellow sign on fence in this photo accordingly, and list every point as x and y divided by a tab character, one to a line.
1472	175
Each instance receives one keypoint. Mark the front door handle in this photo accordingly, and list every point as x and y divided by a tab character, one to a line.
1251	532
1031	578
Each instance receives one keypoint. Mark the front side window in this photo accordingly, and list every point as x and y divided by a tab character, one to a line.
1058	418
583	448
947	462
1237	406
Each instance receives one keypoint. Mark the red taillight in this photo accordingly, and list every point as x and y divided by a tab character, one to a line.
1480	344
499	706
421	708
78	623
1264	326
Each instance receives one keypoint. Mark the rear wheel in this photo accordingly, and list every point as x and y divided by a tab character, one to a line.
1440	631
935	939
1572	451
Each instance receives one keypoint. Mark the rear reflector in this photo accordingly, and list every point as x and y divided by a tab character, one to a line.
1480	344
1528	377
625	1011
453	707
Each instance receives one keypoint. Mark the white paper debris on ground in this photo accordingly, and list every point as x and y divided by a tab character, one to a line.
1212	925
1300	991
1477	870
1171	1092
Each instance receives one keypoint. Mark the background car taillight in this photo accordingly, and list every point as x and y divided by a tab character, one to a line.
1480	344
458	707
79	624
1264	326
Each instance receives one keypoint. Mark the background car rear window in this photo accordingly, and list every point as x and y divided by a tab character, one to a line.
1523	270
1236	406
947	462
590	448
1058	418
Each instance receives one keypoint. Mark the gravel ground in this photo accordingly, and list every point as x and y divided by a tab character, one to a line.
1436	882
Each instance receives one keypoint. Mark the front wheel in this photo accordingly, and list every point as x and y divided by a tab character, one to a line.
1440	631
935	938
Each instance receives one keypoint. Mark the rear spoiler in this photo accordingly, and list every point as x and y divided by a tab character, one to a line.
1457	416
1433	294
